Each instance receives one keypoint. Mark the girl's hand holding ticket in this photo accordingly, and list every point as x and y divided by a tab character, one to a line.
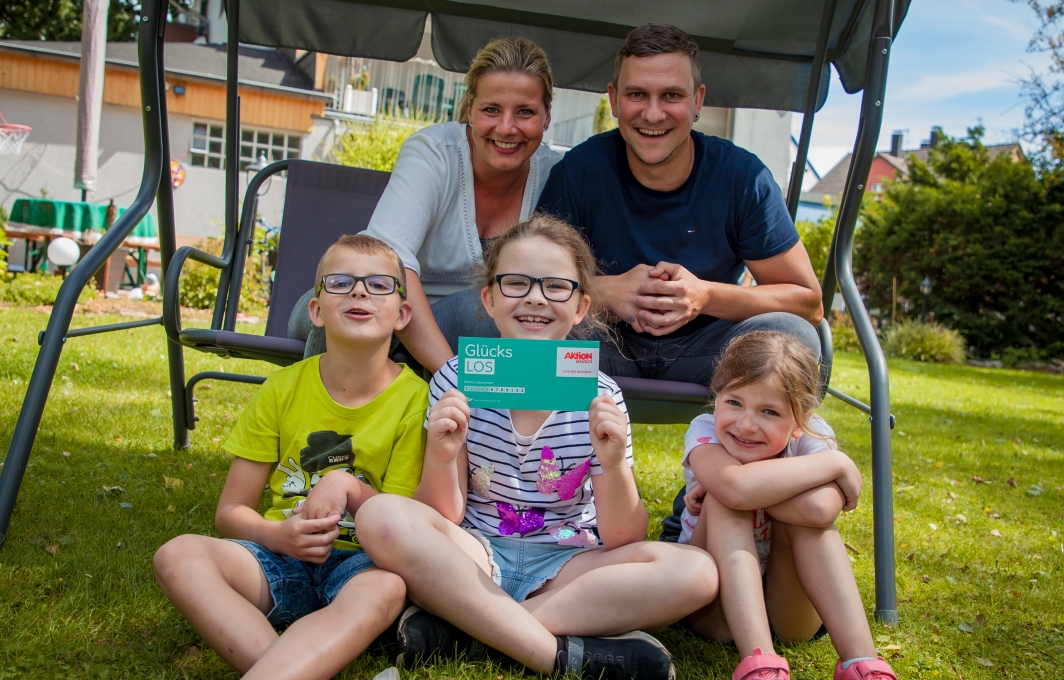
448	425
609	431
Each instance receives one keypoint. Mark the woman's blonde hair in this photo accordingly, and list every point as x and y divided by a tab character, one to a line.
560	233
761	355
507	55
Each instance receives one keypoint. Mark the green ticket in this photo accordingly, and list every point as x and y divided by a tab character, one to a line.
535	375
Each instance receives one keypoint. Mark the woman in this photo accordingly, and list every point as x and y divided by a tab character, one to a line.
458	185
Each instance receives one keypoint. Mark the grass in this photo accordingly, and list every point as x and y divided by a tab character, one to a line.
77	595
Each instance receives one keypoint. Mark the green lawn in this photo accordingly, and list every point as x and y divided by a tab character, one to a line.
978	508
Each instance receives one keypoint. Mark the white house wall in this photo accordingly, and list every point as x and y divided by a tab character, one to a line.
47	162
766	134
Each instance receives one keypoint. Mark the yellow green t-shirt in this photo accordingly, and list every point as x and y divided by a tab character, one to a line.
294	423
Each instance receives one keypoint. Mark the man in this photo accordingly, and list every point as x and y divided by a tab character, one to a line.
674	216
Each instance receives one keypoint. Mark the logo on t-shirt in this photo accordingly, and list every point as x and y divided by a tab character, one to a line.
326	449
577	362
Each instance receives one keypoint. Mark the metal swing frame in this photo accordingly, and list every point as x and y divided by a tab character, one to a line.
153	188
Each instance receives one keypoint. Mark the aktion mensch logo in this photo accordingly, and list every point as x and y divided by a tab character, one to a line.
577	362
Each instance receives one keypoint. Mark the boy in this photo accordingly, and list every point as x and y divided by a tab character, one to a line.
326	433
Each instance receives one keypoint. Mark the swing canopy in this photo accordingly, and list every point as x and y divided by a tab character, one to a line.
754	53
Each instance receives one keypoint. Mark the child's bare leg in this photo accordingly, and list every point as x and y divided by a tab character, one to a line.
447	572
730	539
362	610
810	579
641	585
221	589
709	621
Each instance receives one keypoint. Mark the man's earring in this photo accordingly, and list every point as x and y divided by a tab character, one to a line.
696	117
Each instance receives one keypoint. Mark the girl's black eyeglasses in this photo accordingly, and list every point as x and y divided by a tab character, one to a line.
344	284
519	285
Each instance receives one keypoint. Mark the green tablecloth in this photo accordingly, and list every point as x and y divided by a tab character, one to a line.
84	222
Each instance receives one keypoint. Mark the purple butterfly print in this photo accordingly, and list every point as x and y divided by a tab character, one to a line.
513	521
551	478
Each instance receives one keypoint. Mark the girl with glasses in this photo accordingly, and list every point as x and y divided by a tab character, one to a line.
529	534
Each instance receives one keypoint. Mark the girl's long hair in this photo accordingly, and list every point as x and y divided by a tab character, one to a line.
762	355
560	233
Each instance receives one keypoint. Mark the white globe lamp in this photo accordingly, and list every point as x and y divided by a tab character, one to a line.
63	252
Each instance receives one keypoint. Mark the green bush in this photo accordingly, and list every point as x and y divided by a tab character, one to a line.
199	282
373	145
816	237
4	241
33	289
844	337
989	232
922	341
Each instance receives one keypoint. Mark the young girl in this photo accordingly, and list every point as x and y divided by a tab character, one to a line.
752	455
511	543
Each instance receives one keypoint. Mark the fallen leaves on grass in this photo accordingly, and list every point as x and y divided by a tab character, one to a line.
995	533
170	508
51	549
852	549
118	439
66	454
979	480
984	662
1012	482
1015	593
172	482
112	490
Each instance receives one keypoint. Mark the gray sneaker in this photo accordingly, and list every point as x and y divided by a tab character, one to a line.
424	637
621	657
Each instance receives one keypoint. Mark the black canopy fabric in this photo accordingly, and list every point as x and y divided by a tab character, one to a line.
755	53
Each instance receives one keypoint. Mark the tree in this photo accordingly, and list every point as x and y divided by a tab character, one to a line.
604	119
1044	114
990	235
61	20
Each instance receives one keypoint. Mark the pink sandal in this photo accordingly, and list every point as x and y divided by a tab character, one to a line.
760	666
873	669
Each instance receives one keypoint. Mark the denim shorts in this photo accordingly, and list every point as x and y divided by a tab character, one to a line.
522	567
299	588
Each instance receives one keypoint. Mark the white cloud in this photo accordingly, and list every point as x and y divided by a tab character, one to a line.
938	87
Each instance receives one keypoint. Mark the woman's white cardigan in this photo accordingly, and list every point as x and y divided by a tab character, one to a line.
428	212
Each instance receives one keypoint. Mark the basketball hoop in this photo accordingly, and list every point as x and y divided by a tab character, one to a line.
12	136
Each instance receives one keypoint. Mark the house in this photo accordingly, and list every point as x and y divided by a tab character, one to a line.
281	116
886	165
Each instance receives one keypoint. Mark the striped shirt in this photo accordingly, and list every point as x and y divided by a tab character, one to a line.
505	467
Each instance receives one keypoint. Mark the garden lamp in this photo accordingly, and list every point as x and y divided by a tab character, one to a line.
63	252
260	163
925	290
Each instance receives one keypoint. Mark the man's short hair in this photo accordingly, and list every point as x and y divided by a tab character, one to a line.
366	245
651	39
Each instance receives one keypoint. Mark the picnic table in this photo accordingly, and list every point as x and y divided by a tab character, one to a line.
39	220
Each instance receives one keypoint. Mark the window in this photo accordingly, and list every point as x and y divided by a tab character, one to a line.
208	145
275	145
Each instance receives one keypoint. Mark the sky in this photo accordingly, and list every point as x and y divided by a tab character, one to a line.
955	63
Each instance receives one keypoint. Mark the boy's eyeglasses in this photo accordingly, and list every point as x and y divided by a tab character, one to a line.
344	284
519	285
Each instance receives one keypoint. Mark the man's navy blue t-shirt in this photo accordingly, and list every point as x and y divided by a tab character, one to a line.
728	211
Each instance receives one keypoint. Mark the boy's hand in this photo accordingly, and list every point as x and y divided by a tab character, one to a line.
332	495
609	431
849	481
310	540
448	426
693	499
